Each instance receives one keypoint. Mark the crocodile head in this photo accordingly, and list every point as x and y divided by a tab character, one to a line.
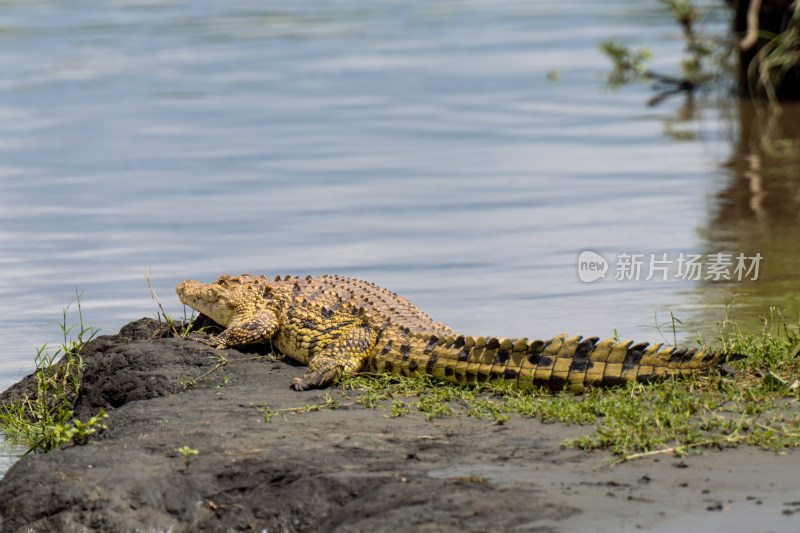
227	300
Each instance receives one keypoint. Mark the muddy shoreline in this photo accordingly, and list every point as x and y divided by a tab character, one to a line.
351	468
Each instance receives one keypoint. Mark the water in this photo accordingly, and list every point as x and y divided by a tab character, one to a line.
460	153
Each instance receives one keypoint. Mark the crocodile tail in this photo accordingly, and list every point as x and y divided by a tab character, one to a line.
559	363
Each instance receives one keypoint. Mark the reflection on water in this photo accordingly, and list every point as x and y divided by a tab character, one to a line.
756	209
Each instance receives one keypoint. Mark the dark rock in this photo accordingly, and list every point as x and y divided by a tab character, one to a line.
310	471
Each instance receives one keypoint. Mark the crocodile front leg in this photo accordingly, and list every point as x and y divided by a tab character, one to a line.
346	354
260	328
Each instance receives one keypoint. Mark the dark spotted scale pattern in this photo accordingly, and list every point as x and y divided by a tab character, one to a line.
336	324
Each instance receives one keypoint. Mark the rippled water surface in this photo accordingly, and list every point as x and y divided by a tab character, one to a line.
460	153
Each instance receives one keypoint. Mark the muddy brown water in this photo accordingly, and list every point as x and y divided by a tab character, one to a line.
462	154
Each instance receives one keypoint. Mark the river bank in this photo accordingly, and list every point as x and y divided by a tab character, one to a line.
350	468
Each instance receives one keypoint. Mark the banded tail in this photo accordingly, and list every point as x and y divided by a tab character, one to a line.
560	363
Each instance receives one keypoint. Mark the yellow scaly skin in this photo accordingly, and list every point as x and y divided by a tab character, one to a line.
336	324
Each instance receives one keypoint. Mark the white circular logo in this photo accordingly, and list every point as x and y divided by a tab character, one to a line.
591	266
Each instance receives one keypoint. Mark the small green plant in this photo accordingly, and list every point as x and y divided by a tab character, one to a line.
775	59
221	362
173	327
266	411
187	453
76	431
399	408
629	64
43	420
331	401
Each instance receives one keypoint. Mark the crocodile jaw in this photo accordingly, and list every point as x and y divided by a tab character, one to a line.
207	298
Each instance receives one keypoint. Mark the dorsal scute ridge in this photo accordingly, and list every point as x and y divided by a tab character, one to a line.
355	324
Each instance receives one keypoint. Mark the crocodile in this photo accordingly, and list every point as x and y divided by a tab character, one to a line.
338	325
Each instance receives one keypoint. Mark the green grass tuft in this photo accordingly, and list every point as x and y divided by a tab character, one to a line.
756	406
44	420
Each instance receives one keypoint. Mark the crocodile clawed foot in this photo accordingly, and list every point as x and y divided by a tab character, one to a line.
209	340
299	384
318	378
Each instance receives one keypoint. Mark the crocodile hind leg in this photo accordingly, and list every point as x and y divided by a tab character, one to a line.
345	354
259	328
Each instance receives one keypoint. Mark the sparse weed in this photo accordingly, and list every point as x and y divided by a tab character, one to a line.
187	453
221	362
266	411
758	406
173	328
329	401
43	420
